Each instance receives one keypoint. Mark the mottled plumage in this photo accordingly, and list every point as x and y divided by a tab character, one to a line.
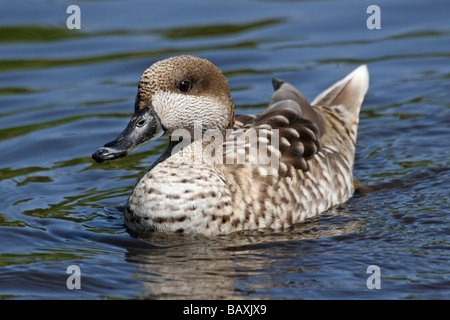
223	182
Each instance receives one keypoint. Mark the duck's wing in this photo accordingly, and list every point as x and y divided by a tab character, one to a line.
283	137
291	130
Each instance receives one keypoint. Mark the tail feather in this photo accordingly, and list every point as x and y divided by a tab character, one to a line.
348	92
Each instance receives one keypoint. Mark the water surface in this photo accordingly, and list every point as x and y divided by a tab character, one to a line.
64	93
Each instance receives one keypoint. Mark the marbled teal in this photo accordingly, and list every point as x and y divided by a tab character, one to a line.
223	173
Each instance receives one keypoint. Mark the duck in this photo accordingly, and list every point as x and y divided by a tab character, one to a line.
222	173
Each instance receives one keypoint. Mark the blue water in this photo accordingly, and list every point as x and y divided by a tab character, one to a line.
64	93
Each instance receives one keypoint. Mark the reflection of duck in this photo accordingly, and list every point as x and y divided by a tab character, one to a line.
243	264
212	186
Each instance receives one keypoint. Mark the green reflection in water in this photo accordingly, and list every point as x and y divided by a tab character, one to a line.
7	65
216	30
15	90
8	173
35	34
35	179
5	222
42	34
13	132
40	256
73	208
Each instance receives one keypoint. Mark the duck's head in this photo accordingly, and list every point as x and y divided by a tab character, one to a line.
182	92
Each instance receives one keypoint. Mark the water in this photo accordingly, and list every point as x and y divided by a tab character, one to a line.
64	93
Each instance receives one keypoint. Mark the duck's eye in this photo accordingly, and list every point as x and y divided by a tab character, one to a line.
184	86
140	123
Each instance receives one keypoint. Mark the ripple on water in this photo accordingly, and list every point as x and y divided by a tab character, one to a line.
64	93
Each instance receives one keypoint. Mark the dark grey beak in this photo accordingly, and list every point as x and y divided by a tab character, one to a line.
143	127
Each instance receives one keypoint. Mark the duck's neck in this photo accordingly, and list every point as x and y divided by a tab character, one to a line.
198	149
199	153
165	155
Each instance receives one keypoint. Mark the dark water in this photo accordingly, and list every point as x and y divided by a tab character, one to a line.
64	93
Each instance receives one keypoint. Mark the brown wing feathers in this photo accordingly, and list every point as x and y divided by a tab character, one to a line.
299	138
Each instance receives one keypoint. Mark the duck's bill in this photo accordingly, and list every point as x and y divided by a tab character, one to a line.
144	127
